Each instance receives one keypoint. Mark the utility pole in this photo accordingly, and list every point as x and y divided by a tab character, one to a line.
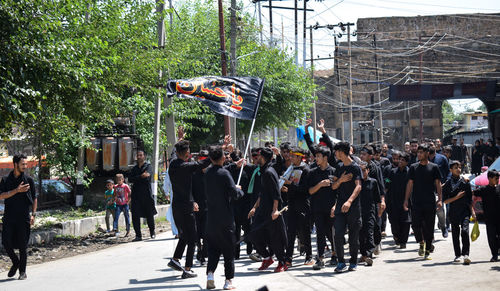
305	37
232	64
296	33
227	128
260	22
378	92
270	23
312	78
167	102
351	134
156	138
420	81
342	133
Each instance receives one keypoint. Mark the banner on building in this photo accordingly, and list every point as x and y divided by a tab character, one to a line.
238	97
485	90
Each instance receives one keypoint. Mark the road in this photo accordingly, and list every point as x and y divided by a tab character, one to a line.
143	266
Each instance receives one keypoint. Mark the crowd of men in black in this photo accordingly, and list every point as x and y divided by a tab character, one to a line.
288	193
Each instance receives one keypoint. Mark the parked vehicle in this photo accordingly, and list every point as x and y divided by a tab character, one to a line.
482	180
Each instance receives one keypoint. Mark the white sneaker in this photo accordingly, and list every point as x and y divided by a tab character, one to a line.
229	285
467	260
457	260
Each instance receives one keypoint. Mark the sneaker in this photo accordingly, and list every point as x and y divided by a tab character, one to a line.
341	267
467	260
210	281
384	234
266	263
427	256
309	262
280	268
22	276
445	232
137	238
255	257
362	259
188	274
176	265
494	259
152	234
431	249
353	267
402	246
320	264
333	261
457	260
228	285
421	249
12	271
369	261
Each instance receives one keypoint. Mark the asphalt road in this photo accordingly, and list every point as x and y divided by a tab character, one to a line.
143	266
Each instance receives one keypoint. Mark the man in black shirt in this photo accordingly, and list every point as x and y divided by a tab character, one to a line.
18	190
221	191
271	230
200	197
183	205
457	193
322	200
299	208
413	151
456	151
143	204
370	197
399	218
423	183
490	195
347	210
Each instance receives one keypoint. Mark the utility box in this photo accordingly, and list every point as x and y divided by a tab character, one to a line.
93	154
109	147
126	153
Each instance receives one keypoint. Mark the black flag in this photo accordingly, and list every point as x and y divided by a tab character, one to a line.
238	97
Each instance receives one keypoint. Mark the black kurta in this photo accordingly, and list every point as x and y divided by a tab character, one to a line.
143	204
16	218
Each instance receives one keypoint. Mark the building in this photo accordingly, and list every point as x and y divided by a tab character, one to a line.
439	49
474	121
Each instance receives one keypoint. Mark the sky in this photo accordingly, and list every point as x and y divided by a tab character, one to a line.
335	11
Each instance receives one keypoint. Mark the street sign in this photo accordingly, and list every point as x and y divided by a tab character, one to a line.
485	90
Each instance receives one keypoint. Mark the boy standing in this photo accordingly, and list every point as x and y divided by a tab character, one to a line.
370	196
122	194
109	196
457	193
491	204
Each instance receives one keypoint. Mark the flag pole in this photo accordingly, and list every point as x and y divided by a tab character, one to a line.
251	129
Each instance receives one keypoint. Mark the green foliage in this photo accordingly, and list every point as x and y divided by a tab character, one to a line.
83	62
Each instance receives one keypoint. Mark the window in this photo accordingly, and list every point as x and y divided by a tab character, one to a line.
474	117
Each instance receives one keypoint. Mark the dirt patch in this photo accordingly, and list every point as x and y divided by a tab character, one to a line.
63	247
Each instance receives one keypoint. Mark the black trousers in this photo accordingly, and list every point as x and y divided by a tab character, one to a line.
298	224
366	239
351	220
272	233
201	221
221	242
15	235
324	224
383	224
400	226
461	229
423	221
493	232
186	224
136	222
246	227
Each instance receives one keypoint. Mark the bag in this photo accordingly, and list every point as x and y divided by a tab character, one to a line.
475	231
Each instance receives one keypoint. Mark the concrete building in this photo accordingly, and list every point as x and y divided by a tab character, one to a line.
474	120
439	49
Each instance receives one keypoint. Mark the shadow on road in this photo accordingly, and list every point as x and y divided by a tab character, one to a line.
189	286
154	281
7	280
495	268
